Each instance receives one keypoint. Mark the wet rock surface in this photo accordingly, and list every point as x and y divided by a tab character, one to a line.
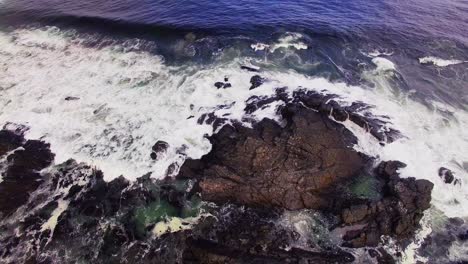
158	149
76	216
24	159
327	104
397	214
255	176
256	81
309	163
294	167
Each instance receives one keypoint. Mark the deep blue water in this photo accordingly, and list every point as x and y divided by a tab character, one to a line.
338	31
446	19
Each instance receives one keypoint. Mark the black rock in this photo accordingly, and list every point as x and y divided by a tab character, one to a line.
446	175
71	98
250	69
256	81
9	141
159	147
219	85
22	175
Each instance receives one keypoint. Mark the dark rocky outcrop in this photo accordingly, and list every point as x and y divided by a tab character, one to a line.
253	235
24	160
326	105
308	163
398	212
293	167
9	141
212	119
254	176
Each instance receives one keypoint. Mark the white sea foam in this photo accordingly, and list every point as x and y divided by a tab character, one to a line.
53	219
288	41
439	62
129	100
383	64
379	53
174	224
409	255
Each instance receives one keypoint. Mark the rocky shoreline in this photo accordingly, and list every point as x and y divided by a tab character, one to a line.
295	192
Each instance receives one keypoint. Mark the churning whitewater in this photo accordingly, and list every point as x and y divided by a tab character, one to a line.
134	97
108	106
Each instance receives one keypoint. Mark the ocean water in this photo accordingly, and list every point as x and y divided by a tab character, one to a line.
139	70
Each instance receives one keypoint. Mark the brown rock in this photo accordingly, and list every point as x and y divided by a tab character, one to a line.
291	167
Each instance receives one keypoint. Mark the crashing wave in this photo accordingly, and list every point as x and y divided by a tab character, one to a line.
439	62
290	40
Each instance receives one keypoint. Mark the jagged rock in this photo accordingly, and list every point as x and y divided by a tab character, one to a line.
21	176
9	141
211	119
398	212
255	103
324	104
251	235
292	167
256	81
306	164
